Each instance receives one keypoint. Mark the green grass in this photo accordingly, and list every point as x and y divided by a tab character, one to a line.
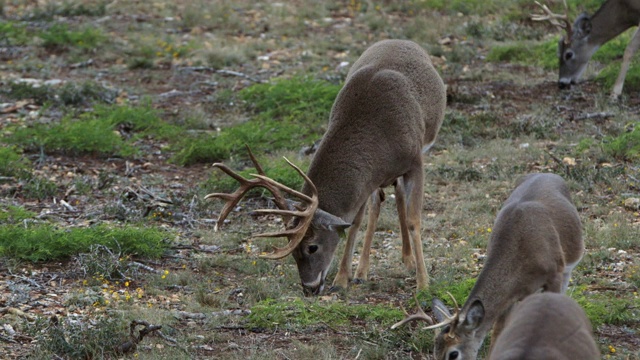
297	312
288	114
38	243
527	53
12	163
606	308
60	37
11	214
13	34
625	146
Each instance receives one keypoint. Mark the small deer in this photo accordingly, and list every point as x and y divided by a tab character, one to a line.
546	326
387	114
589	33
535	244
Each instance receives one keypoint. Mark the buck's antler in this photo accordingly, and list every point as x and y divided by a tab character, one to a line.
295	234
563	25
421	315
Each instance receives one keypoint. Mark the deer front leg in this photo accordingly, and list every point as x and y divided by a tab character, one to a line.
374	211
414	188
341	280
631	49
401	205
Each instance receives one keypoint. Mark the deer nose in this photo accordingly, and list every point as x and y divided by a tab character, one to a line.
312	290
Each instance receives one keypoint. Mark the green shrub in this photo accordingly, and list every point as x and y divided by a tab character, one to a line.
12	164
13	34
288	114
626	146
46	242
10	214
59	37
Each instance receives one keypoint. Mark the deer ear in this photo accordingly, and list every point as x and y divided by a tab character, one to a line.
327	221
440	310
474	316
582	26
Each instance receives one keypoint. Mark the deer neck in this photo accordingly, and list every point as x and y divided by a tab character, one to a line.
342	186
612	19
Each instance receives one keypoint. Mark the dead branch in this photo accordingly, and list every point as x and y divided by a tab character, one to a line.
132	344
17	312
222	72
145	267
587	116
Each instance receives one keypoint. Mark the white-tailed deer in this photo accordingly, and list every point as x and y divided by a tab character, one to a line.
546	326
589	33
388	112
535	243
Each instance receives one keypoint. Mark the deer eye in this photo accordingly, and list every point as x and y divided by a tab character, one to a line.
454	355
312	248
568	55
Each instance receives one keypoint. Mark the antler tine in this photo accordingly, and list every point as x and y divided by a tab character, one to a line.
456	310
233	198
553	18
419	315
280	200
295	234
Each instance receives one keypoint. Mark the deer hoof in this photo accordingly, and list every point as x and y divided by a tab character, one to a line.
336	289
358	281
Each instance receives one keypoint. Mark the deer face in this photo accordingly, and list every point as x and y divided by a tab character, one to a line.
314	254
574	53
458	340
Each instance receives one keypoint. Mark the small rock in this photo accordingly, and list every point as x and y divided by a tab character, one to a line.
632	204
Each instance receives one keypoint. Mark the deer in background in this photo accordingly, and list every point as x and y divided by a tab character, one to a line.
546	326
589	33
535	244
388	112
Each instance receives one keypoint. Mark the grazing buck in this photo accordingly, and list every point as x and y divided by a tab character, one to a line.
535	243
546	326
388	112
589	33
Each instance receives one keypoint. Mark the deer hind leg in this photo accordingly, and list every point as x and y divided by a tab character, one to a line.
376	200
341	280
413	183
631	49
407	254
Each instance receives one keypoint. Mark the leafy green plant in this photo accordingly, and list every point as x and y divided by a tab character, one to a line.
625	146
11	214
12	163
288	114
603	308
13	34
60	37
46	242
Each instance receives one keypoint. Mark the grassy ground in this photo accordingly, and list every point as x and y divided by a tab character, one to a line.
113	112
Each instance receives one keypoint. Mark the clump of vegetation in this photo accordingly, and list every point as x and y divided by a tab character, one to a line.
602	308
12	163
13	34
67	94
79	338
46	242
288	114
297	312
11	214
527	53
625	146
60	37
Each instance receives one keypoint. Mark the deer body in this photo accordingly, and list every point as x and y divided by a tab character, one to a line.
546	326
535	243
589	33
389	110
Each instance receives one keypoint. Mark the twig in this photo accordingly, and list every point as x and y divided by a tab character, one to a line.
222	72
18	312
143	266
132	344
586	116
68	206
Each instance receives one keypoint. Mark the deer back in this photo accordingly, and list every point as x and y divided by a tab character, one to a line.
390	108
546	326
